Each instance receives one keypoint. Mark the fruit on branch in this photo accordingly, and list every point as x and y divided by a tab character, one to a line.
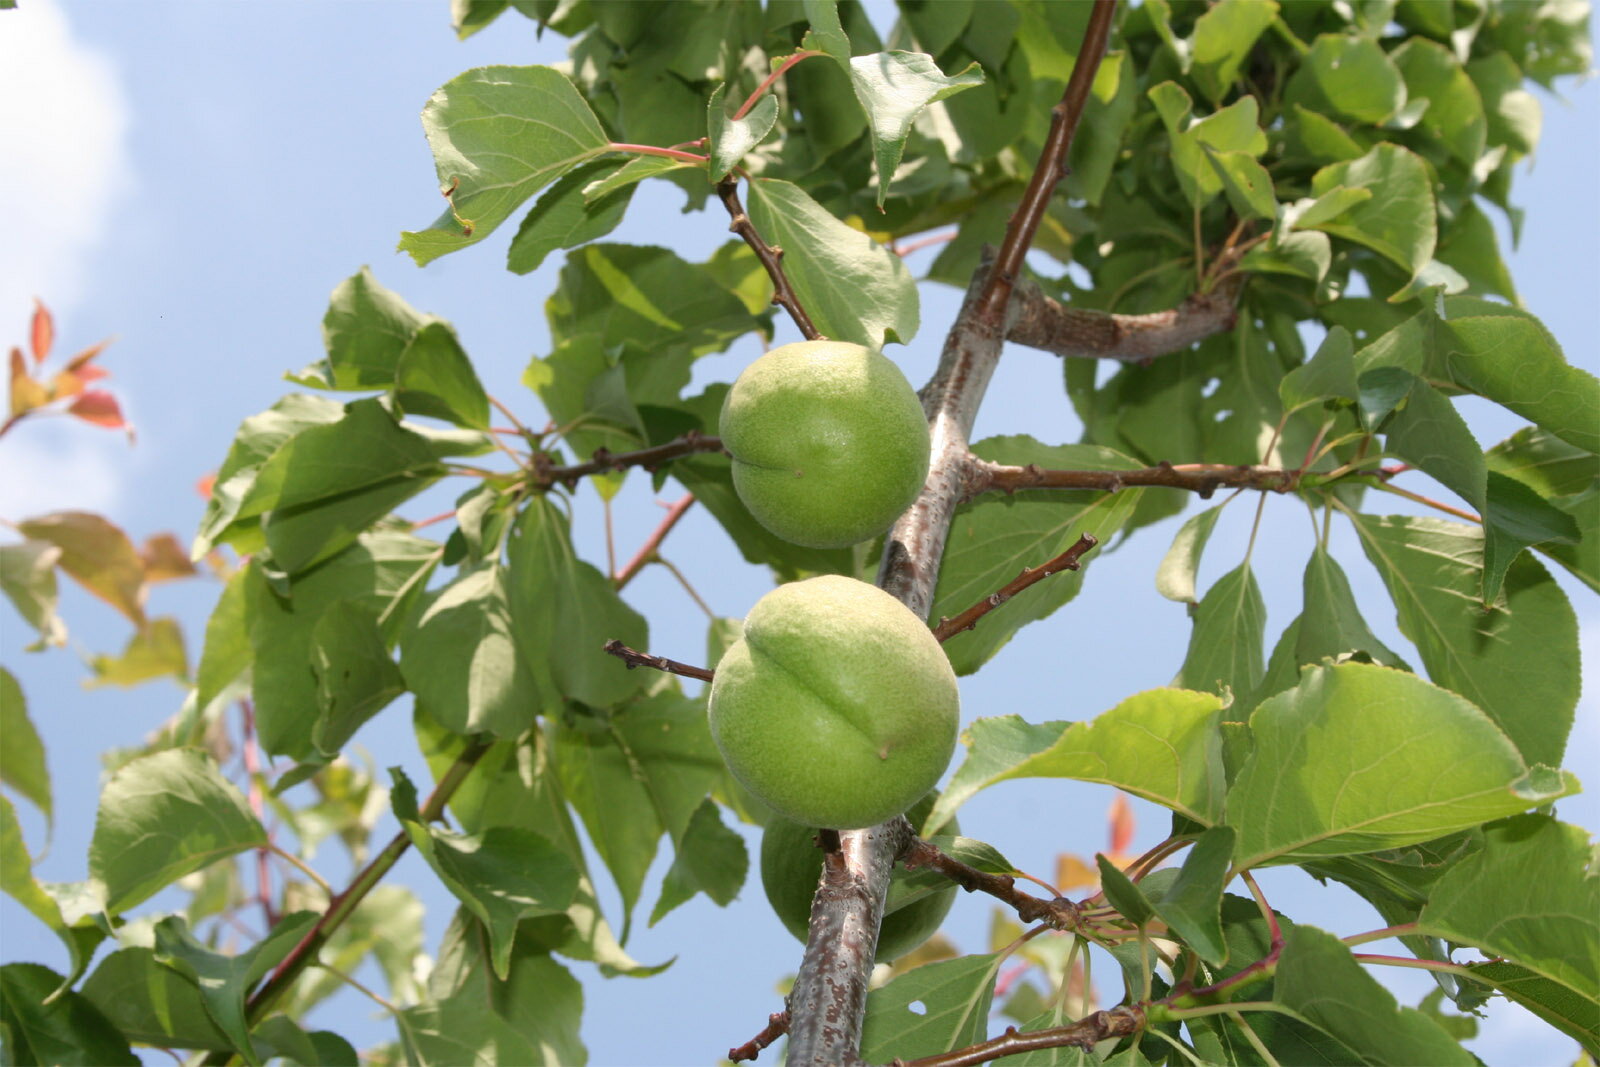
791	866
829	442
837	708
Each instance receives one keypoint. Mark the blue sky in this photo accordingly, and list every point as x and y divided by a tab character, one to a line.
194	179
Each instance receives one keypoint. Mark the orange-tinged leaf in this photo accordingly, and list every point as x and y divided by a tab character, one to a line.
164	559
1121	820
44	331
1072	873
97	555
206	483
76	363
26	393
99	407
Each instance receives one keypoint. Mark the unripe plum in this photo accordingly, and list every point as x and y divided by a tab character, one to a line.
829	442
837	708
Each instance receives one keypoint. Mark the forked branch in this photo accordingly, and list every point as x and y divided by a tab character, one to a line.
1059	913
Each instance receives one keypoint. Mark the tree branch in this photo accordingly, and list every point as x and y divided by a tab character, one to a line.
1044	323
1067	561
1085	1034
1059	913
777	1026
1051	168
1201	478
603	460
634	658
828	1001
771	258
652	545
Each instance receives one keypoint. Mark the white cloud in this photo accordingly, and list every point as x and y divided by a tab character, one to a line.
63	125
56	464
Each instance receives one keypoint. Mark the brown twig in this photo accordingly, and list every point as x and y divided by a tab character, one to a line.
1085	1034
652	544
925	242
1067	561
771	258
1058	913
694	441
1044	323
1201	478
777	1026
1051	168
634	658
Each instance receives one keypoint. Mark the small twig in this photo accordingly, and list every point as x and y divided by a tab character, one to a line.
1201	478
1067	561
687	587
1058	914
547	475
925	242
783	68
634	658
1381	935
1051	168
1084	1034
771	258
777	1026
653	150
301	865
648	550
1426	501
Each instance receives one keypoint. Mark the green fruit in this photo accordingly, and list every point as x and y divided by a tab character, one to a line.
837	707
829	442
791	865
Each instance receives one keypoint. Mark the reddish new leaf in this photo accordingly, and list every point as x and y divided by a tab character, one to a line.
26	393
76	364
44	331
99	407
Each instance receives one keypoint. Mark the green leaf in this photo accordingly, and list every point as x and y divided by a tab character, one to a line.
79	935
731	139
1573	1014
322	1048
225	981
69	1030
1529	896
1350	77
152	1003
461	659
502	875
854	288
633	172
365	330
1397	221
1225	650
1319	980
499	135
1304	214
1192	904
154	651
1329	374
1122	893
1223	39
566	215
22	762
161	817
645	296
1232	129
28	579
1304	254
257	439
1545	463
710	858
894	88
435	377
1164	745
1517	517
356	678
226	655
1247	183
954	996
1454	119
327	484
1175	576
993	538
1427	432
1359	758
96	554
1518	661
563	611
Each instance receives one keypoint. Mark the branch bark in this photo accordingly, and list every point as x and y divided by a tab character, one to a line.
1086	1033
1200	478
771	258
1044	323
603	460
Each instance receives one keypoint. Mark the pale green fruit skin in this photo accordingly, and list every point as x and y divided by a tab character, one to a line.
829	442
837	708
791	865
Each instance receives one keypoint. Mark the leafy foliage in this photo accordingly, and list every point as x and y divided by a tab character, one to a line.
1329	171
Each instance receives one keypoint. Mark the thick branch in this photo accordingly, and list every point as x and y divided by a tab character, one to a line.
1085	1034
1201	478
1067	561
771	258
634	658
1058	914
1052	165
649	458
1045	323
